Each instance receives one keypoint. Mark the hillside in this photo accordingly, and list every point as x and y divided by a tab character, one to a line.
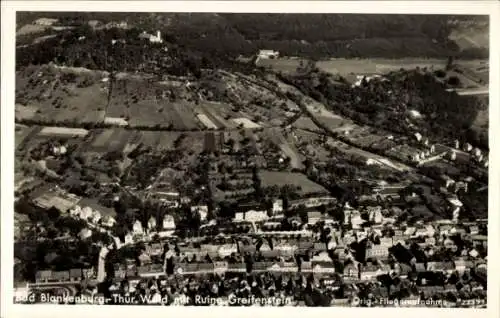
308	35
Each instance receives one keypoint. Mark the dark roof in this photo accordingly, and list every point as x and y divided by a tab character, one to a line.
75	273
44	274
62	275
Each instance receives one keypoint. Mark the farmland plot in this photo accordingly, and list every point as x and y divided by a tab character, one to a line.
275	135
207	122
186	115
218	113
62	94
22	132
110	140
306	123
271	178
354	66
159	140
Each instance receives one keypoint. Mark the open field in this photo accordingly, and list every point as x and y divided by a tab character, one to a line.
217	113
245	122
306	123
344	148
355	66
206	121
271	178
63	132
111	140
146	103
21	133
159	140
377	66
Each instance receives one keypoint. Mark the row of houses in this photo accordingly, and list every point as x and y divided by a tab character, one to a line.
72	275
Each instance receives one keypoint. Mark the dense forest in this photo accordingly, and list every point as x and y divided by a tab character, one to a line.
308	35
121	50
384	104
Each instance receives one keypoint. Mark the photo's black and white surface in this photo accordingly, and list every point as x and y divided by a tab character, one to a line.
251	159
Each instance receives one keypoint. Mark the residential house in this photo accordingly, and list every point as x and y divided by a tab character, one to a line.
400	239
444	229
348	239
45	21
152	223
286	249
152	38
322	267
151	270
410	231
277	207
420	267
479	240
43	276
85	234
154	249
318	247
227	249
129	238
89	273
473	253
137	228
108	221
119	25
144	258
430	241
304	246
356	221
462	265
251	216
369	272
268	54
375	214
202	210
313	217
474	229
378	251
421	232
131	269
120	271
61	276
351	271
86	213
445	267
386	241
168	226
321	257
75	274
96	216
236	267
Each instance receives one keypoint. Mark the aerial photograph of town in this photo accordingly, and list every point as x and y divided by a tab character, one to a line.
251	159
